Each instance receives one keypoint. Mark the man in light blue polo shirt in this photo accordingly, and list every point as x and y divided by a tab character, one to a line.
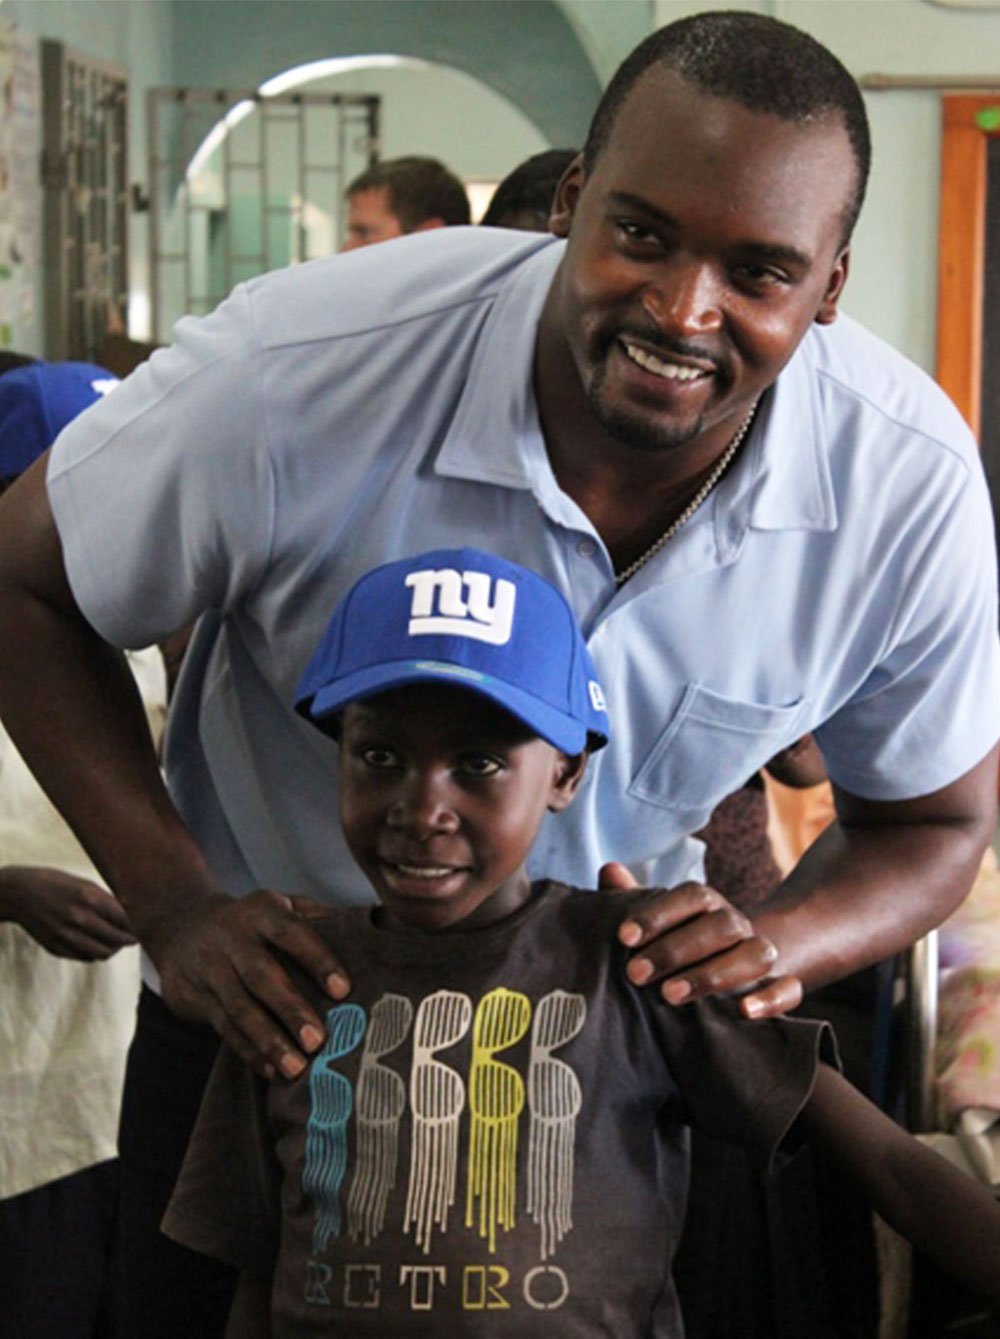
767	522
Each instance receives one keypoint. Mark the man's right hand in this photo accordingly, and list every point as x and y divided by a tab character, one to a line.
218	966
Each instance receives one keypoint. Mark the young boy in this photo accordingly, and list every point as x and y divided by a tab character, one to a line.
492	1141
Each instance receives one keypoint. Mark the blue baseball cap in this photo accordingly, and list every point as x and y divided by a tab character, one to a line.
36	403
468	618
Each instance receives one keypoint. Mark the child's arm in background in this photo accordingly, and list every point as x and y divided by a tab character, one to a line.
946	1214
250	1314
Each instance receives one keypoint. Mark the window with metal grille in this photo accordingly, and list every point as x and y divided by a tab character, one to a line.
242	183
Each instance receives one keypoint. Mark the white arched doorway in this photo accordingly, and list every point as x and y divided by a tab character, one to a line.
247	184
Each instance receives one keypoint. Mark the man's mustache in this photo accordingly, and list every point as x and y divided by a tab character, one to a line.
663	346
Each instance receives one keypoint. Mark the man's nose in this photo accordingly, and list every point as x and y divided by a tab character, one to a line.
423	806
684	298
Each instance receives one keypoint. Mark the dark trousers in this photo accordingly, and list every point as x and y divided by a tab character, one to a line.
162	1290
55	1253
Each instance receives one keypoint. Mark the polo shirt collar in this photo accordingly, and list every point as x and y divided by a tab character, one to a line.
495	436
787	484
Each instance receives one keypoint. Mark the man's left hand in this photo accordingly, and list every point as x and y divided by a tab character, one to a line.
695	943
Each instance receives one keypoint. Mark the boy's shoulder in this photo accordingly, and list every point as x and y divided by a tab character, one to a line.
555	913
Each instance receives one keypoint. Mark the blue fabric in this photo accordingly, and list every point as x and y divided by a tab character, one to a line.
467	618
326	419
36	403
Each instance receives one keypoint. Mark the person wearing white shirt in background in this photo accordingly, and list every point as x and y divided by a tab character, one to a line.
69	980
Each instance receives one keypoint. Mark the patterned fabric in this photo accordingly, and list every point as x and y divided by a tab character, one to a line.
738	859
968	1046
494	1132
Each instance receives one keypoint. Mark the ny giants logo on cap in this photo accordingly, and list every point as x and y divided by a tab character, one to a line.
468	604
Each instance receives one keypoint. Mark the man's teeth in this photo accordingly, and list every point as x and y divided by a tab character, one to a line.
671	371
425	871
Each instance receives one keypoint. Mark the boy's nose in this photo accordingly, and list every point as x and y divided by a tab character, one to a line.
423	807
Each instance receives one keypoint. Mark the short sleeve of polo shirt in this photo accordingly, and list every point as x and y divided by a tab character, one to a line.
937	688
163	493
227	1201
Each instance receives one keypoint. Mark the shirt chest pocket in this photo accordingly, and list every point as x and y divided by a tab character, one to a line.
710	747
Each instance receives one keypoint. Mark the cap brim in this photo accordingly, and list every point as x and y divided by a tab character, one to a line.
564	732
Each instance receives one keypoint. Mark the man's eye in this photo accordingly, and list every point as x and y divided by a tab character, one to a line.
480	764
636	232
762	276
377	755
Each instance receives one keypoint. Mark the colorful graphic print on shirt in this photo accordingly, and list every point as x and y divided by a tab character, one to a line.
465	1114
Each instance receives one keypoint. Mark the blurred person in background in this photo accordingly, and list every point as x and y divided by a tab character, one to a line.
403	195
524	197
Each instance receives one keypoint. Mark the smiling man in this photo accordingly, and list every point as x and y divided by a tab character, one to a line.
767	522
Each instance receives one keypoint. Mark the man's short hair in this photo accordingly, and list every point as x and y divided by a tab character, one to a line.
417	189
528	189
760	62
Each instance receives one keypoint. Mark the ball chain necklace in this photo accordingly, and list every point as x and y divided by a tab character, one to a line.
721	465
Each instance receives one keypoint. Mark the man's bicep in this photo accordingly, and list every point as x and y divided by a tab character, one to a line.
968	802
31	555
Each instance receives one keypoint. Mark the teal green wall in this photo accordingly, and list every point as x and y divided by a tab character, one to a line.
525	49
545	59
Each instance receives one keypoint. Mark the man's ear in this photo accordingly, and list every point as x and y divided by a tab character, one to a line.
428	224
569	772
565	200
827	312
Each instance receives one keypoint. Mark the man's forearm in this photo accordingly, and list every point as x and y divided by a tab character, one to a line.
875	882
72	707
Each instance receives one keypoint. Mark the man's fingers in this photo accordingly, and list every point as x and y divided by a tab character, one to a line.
224	968
616	877
308	908
664	909
294	936
695	943
729	973
774	998
257	1035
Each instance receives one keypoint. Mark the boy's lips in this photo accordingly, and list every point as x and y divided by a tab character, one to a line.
424	871
420	874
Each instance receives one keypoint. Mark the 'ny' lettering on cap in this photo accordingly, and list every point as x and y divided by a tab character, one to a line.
469	618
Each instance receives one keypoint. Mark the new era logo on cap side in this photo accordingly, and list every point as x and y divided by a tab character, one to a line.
463	606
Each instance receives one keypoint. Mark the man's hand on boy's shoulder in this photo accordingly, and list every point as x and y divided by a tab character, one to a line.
695	943
220	966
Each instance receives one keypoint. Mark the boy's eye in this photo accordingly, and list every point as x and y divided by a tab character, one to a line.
480	764
378	756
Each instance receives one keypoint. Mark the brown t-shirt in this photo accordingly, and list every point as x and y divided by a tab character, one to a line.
493	1140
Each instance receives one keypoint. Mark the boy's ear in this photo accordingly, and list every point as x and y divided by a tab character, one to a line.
569	772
